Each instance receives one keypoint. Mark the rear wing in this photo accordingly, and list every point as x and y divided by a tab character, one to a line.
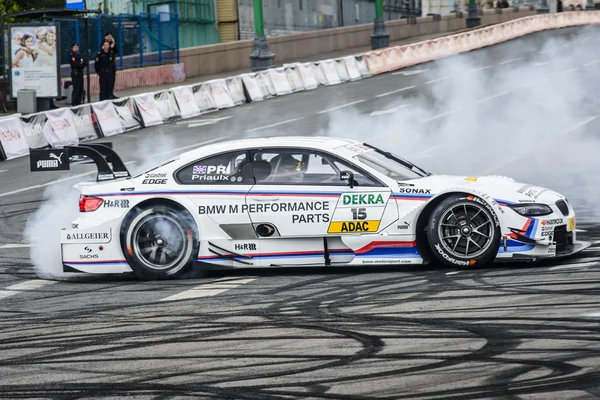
109	164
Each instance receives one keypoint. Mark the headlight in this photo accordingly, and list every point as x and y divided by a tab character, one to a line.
531	209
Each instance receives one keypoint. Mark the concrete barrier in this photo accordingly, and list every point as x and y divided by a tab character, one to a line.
234	56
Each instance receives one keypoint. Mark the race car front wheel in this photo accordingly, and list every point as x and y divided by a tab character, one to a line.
464	232
159	242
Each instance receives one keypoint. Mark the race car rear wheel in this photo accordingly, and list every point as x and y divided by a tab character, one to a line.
159	242
464	232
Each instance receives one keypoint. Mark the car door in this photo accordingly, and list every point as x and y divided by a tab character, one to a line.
299	199
218	186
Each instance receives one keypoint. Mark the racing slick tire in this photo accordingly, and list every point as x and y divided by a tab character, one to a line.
464	232
159	242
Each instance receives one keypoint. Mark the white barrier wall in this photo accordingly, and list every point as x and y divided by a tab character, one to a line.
68	126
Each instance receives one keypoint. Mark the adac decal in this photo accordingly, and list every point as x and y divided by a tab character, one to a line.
353	226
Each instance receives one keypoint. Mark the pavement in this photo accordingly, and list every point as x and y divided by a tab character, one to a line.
526	109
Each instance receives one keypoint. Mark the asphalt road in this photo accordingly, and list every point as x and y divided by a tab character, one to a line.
526	108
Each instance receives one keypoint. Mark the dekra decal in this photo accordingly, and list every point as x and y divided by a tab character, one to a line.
367	198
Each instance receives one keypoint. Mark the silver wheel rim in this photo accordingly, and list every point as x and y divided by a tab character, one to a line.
159	242
466	230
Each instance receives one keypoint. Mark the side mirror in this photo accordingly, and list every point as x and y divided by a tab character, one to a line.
347	176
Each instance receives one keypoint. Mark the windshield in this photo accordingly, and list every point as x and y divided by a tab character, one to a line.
390	165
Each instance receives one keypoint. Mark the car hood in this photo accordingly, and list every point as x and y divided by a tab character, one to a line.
501	188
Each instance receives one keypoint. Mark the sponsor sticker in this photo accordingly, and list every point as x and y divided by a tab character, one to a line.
571	224
353	226
363	198
245	246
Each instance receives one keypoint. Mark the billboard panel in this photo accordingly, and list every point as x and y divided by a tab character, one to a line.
34	59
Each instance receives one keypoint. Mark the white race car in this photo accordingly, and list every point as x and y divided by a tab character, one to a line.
299	201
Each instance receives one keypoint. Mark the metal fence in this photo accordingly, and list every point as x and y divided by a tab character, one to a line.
143	39
292	16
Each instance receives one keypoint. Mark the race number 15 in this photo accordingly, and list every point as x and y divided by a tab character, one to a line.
359	213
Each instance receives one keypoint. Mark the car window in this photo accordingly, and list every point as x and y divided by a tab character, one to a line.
225	169
305	167
387	166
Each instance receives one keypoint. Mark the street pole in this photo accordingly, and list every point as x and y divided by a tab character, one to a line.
87	57
473	18
380	38
543	8
261	58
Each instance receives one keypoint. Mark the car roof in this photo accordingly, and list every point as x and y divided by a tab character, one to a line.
314	142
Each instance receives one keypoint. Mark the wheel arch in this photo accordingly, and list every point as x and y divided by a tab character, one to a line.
423	218
160	201
179	209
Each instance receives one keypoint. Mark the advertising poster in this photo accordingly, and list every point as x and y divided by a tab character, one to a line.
34	59
12	138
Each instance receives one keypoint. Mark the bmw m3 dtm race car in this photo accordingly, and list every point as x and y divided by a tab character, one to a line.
300	201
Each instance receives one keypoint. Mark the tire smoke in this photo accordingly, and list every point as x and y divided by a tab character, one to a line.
60	208
533	121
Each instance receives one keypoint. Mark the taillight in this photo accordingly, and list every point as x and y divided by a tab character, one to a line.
89	203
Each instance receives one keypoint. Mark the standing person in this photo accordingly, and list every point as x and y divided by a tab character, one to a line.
78	63
102	65
115	50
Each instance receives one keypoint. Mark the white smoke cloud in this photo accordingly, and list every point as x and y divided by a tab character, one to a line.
43	228
61	207
532	121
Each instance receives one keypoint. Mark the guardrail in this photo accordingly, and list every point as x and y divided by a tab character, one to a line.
69	126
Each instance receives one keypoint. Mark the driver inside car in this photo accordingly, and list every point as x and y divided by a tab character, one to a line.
286	167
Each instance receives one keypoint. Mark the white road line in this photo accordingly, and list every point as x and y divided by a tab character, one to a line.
539	64
25	189
442	115
272	125
409	73
203	119
481	68
592	314
3	170
553	137
437	80
209	289
453	273
342	106
567	71
15	246
395	91
493	97
510	61
591	63
576	265
388	111
23	287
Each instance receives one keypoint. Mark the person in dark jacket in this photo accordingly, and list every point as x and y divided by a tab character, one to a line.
103	67
78	63
115	50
